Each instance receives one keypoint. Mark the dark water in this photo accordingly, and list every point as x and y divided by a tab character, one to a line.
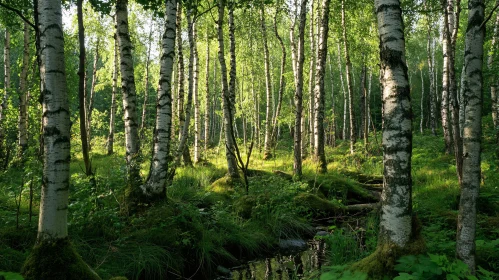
284	265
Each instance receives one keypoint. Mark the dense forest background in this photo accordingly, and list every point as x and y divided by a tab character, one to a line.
207	134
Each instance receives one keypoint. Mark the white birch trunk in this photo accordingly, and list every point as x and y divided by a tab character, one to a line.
311	81
52	223
300	57
146	86
226	96
91	97
348	66
267	149
3	105
493	81
23	95
207	100
473	86
197	114
110	137
129	94
319	153
396	209
158	173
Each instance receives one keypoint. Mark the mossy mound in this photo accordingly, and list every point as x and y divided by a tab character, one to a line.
119	278
20	239
56	260
383	260
334	186
244	206
316	203
13	262
226	185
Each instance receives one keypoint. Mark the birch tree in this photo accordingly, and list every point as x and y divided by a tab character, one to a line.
112	114
52	223
155	186
319	90
226	97
298	58
348	70
267	149
23	95
472	90
396	232
6	86
129	99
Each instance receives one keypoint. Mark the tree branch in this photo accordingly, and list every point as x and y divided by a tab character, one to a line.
19	13
490	15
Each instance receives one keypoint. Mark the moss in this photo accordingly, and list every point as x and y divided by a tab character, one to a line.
244	206
383	260
119	278
13	262
333	186
56	260
226	185
314	202
20	239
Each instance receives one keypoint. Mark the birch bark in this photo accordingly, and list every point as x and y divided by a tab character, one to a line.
348	66
267	149
129	95
110	137
396	209
473	86
298	98
23	95
226	97
319	90
52	223
158	173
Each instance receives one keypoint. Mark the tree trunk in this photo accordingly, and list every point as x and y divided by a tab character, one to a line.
226	96
181	71
473	60
363	108
23	97
267	146
52	224
158	173
421	121
396	210
3	105
81	91
207	100
282	82
333	111
348	66
197	115
299	58
444	109
110	137
449	26
91	97
146	86
432	93
56	126
311	80
183	148
345	97
129	98
494	96
320	94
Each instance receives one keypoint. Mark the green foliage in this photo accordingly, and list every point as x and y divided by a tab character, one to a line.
342	273
11	276
436	267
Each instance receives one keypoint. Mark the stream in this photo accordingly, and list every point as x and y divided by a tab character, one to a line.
294	260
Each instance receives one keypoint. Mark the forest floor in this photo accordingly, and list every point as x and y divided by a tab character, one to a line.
209	220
